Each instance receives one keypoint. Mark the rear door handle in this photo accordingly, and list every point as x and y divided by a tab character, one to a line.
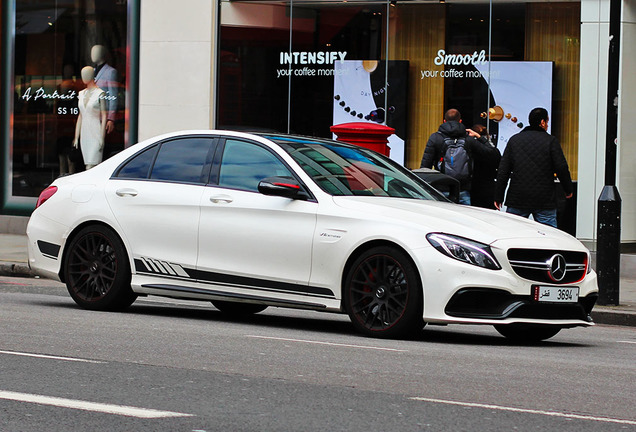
220	199
126	192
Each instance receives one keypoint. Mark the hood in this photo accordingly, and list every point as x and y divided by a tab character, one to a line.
483	225
452	129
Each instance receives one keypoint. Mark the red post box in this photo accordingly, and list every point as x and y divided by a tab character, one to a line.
368	135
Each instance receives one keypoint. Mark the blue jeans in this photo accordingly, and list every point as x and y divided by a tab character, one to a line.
464	197
544	216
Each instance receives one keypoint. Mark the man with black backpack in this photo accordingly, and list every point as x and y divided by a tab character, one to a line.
450	150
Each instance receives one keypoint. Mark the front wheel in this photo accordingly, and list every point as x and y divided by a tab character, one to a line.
97	270
527	332
383	294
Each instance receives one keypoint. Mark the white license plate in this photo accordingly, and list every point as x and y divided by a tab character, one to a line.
556	294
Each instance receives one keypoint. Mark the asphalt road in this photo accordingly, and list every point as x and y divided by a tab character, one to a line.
170	365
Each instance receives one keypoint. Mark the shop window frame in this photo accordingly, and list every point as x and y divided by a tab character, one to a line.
24	206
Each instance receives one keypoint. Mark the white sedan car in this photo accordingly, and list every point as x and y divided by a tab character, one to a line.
248	221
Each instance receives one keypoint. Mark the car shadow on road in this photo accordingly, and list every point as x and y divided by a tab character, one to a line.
458	337
313	321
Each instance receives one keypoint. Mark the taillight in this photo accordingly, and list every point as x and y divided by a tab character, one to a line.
45	195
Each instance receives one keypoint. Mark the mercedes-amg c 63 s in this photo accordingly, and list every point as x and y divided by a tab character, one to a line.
248	221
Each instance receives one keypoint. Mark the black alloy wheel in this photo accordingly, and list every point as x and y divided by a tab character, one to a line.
383	294
527	332
97	270
238	309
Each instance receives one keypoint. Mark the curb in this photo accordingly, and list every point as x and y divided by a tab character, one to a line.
15	270
609	316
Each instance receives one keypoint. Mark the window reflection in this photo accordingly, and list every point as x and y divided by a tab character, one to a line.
183	160
244	165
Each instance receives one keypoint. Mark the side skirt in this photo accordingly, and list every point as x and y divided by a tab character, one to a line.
184	292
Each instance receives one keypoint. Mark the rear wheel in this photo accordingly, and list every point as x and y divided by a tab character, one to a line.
97	270
527	332
236	308
383	294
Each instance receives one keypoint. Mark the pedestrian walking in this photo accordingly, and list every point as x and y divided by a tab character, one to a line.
482	191
530	162
451	150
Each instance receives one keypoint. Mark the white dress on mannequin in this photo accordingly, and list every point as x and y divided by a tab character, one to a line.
91	139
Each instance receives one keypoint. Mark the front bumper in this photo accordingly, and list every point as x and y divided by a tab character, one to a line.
456	292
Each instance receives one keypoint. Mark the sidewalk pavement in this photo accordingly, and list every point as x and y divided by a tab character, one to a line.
14	262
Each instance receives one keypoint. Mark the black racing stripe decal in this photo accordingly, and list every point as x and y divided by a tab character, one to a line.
230	296
259	283
49	249
232	280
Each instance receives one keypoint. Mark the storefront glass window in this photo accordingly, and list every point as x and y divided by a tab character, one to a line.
302	67
68	86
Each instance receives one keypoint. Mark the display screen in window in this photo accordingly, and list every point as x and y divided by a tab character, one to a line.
69	99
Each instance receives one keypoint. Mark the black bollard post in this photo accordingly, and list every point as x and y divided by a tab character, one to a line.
608	253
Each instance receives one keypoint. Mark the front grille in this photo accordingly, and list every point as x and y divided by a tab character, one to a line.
535	265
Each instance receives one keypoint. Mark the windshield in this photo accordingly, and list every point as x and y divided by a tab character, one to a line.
342	169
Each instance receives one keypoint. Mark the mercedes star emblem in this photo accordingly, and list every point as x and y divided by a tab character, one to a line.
556	268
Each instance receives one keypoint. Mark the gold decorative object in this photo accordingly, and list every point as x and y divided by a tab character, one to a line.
369	65
496	113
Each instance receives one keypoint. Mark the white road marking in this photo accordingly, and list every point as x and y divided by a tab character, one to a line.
327	343
527	411
44	356
629	342
90	406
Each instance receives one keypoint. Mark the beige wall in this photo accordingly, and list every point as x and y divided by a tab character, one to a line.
592	118
175	70
627	137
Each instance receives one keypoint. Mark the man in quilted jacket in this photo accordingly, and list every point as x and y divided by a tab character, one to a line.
530	161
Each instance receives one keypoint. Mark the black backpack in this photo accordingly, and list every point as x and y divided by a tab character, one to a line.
456	161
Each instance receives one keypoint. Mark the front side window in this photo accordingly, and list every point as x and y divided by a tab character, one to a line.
348	170
185	160
245	164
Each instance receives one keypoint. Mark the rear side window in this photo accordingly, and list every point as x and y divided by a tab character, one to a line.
139	166
185	160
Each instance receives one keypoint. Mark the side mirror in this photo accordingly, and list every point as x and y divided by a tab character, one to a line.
285	187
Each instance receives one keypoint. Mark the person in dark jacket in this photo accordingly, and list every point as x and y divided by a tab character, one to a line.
530	161
482	189
476	146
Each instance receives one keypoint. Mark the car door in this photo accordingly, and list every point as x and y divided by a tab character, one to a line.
248	239
155	197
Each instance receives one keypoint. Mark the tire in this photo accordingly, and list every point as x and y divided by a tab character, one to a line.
527	332
97	270
237	309
383	294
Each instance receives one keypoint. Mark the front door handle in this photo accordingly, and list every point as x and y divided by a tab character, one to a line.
126	192
220	199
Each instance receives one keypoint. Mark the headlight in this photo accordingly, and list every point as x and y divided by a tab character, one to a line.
464	250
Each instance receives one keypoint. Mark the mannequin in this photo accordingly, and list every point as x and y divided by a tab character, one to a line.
91	121
66	110
106	79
